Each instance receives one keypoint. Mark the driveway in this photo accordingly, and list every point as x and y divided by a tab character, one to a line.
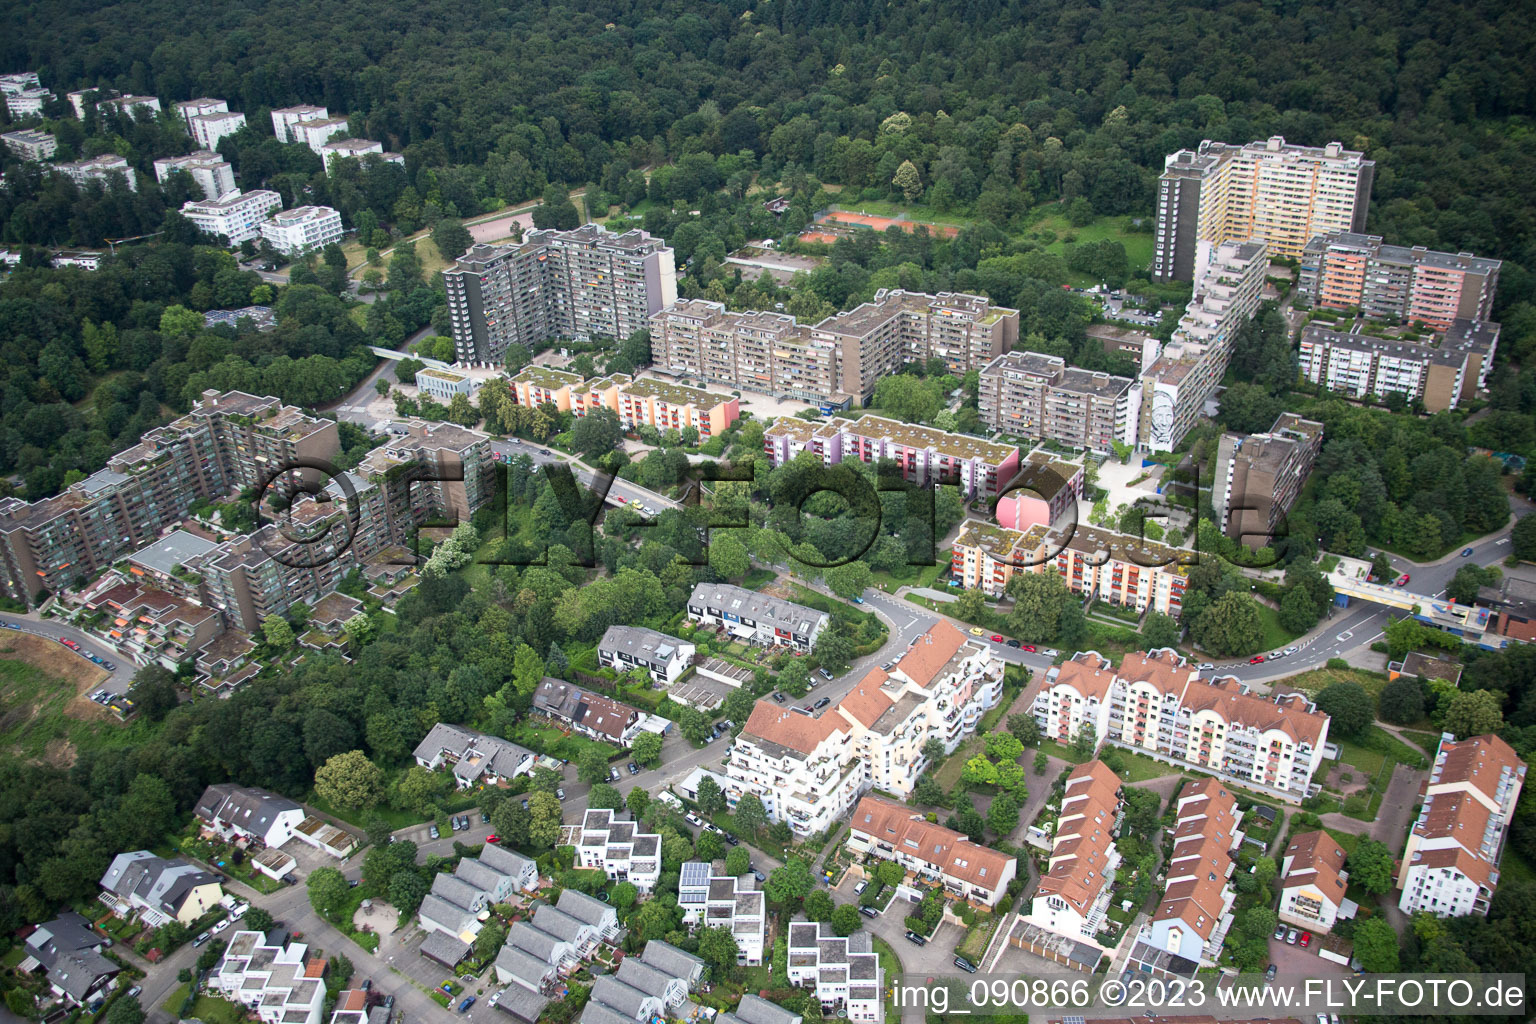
1295	964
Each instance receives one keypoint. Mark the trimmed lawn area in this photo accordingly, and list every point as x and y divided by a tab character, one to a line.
1347	840
172	1004
547	739
1138	767
1430	741
892	965
1377	750
212	1010
914	211
1275	635
914	575
947	774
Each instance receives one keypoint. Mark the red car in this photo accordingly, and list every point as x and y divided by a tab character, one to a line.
70	644
1256	659
492	839
1029	647
996	638
1402	580
1305	940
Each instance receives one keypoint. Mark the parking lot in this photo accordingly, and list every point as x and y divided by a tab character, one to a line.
937	956
1294	962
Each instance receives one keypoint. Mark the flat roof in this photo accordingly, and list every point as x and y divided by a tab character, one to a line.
177	548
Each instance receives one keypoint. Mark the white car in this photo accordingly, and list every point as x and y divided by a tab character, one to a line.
221	926
1290	651
694	819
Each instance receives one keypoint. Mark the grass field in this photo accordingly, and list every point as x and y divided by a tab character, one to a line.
1138	767
1375	753
1320	678
212	1010
43	715
911	211
1138	244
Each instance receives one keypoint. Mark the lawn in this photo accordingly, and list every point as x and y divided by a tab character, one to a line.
1275	635
913	575
891	964
977	936
1376	751
212	1010
38	725
549	740
1137	767
1138	244
172	1004
913	211
1430	741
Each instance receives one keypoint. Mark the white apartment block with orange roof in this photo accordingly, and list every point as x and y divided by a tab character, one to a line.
809	768
1155	703
1313	882
923	455
1450	866
1072	898
648	402
1195	913
893	831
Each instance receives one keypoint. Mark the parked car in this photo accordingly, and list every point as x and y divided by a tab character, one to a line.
613	775
1206	666
1290	651
353	884
545	451
492	838
485	819
466	1004
1029	648
1291	936
821	703
1280	931
759	875
525	803
1403	580
109	666
634	769
133	992
434	833
778	697
1466	552
1051	652
1305	940
824	673
559	792
965	965
1014	644
978	631
201	939
730	839
1269	973
389	1002
711	827
997	638
916	939
367	984
869	911
1257	659
858	890
694	819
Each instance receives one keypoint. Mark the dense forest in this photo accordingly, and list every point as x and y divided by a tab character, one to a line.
999	106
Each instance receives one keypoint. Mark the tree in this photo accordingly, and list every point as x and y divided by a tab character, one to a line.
1085	742
488	942
728	556
1038	602
1401	701
1376	946
327	889
751	816
277	633
1160	631
1025	729
592	764
908	181
420	788
1523	539
718	948
1474	713
605	797
788	885
710	797
1349	706
1297	612
349	780
1003	815
708	846
845	919
1370	865
623	895
257	920
738	861
406	891
978	771
647	749
637	801
597	433
1231	626
850	579
1259	922
1042	762
452	238
544	819
556	211
818	904
126	1010
1003	746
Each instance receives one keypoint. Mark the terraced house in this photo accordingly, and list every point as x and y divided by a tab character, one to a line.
843	971
619	849
1072	898
931	852
922	455
732	902
756	618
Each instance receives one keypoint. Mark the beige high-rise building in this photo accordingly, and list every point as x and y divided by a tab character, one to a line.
1282	194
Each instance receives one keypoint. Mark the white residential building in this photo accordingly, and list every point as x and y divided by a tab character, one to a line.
1450	866
80	98
810	768
132	106
843	971
245	812
158	890
893	831
285	118
625	647
732	902
31	144
212	173
1192	920
1157	703
1072	898
208	129
27	102
755	617
344	149
302	229
188	109
619	849
317	132
236	216
282	985
1313	882
101	168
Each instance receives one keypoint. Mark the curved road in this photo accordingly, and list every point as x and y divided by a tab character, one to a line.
118	681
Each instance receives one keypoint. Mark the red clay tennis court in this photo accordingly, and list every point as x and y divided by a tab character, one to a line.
881	223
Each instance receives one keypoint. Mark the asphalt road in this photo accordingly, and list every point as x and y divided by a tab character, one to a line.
31	622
